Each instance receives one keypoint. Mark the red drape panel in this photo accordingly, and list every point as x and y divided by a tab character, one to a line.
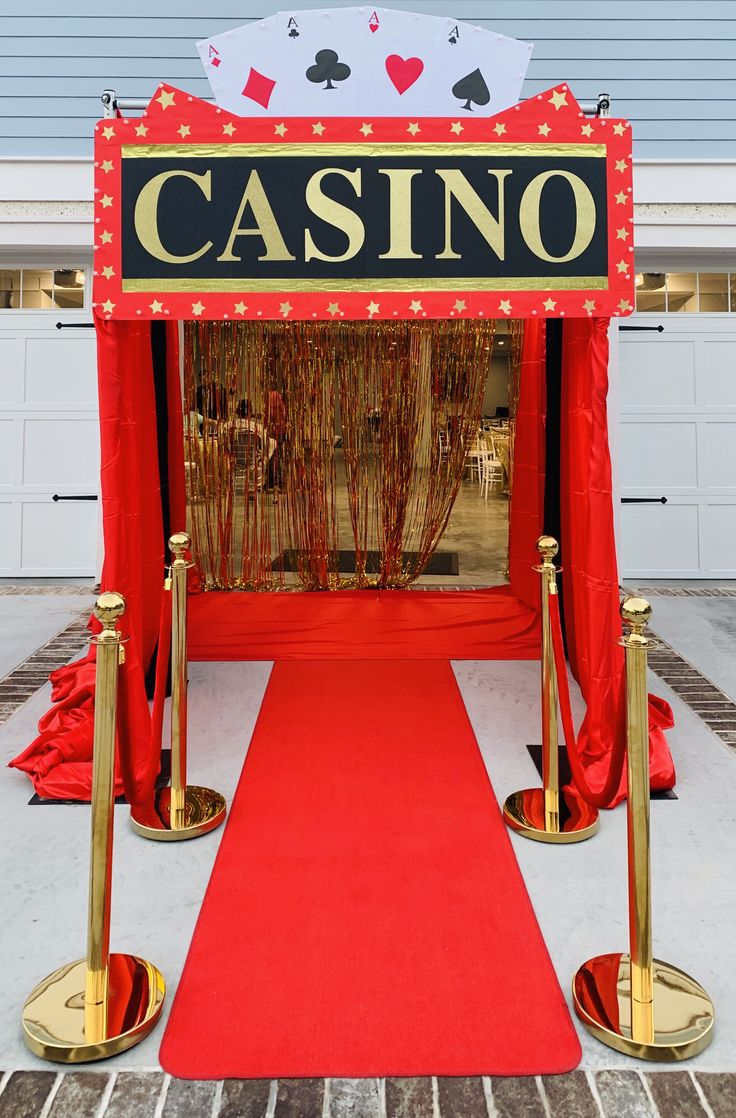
527	496
590	577
177	482
59	761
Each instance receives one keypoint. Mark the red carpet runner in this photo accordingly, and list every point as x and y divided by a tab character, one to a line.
366	915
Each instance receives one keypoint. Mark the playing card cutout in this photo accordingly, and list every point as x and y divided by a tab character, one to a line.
403	72
327	68
259	88
472	88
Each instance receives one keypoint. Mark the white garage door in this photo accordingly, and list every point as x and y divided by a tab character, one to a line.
678	441
49	441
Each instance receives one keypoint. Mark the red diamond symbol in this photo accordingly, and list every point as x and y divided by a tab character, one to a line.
258	88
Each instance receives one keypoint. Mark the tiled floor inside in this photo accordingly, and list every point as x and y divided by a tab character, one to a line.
579	894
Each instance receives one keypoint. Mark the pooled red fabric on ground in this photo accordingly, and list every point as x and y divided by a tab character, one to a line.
366	915
426	624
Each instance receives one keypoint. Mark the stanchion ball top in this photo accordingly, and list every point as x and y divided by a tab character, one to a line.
109	607
179	543
636	612
547	547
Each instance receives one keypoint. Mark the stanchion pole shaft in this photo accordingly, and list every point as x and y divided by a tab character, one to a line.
550	756
179	569
640	896
100	868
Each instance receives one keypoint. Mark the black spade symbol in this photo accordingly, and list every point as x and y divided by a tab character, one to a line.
327	68
452	40
472	88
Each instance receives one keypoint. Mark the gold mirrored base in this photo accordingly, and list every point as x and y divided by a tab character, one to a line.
204	810
683	1017
57	1025
574	821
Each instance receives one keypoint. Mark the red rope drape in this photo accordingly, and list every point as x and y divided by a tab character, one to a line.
590	576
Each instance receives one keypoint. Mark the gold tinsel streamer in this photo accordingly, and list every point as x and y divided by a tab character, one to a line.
263	403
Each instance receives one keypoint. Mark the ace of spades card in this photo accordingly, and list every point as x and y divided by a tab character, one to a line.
363	61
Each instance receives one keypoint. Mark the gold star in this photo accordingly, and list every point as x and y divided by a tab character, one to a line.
108	307
240	308
141	130
622	266
620	198
366	129
499	129
108	272
108	133
505	306
624	305
184	130
156	307
415	306
413	129
285	308
333	309
197	307
106	238
549	304
618	129
106	201
166	100
460	305
228	128
456	127
281	130
587	130
318	128
558	98
620	164
622	233
106	166
589	305
544	130
373	308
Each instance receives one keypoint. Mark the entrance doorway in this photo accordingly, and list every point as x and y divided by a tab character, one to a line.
350	454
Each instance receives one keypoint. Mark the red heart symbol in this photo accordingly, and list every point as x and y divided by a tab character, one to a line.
403	72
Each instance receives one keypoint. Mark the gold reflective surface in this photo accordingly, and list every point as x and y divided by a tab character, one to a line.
226	150
203	811
373	286
58	1024
528	812
683	1016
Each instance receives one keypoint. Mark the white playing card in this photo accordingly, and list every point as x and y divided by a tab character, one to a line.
363	61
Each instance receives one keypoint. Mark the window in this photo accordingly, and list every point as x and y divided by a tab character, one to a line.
686	292
42	288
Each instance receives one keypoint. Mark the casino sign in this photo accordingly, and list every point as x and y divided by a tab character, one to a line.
204	214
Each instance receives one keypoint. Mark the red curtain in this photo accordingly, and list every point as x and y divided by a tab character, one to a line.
527	496
59	760
590	576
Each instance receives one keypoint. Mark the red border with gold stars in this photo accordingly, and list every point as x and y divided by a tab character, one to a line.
176	117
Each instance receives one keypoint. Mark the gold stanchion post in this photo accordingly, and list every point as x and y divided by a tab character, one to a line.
103	1004
633	1002
549	814
181	811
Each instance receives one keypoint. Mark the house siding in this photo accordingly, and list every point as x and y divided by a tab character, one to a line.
672	74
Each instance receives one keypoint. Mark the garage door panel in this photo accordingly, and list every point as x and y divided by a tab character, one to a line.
716	381
7	451
73	523
61	371
657	371
60	453
660	539
7	535
659	455
11	371
718	525
720	455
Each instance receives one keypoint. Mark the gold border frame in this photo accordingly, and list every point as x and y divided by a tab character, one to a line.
284	150
462	284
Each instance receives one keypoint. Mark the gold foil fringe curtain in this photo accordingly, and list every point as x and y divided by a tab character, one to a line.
302	438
